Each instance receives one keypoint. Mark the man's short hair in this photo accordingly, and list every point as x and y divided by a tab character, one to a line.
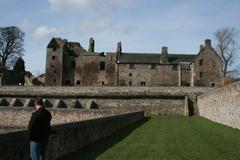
38	101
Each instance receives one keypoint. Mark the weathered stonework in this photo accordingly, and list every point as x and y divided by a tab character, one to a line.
70	136
19	117
152	100
68	63
222	105
207	67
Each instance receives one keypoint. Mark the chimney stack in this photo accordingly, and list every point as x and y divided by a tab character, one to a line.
91	45
208	42
119	47
164	55
201	47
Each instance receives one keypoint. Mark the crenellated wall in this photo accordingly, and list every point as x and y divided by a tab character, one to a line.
70	136
222	105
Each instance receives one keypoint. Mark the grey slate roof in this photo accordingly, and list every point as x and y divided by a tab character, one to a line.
139	58
150	58
176	58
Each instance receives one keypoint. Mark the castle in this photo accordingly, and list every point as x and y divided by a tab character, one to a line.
69	64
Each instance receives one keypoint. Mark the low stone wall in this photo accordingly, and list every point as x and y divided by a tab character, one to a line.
19	117
106	92
222	105
164	106
70	137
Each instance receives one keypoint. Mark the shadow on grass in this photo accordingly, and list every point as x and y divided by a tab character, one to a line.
92	151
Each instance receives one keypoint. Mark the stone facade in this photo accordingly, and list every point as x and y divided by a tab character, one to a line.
222	105
68	63
207	67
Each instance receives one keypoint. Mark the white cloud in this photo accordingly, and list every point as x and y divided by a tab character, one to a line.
94	25
96	5
44	31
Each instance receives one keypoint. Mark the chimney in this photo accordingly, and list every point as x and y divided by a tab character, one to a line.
91	45
164	55
201	47
119	47
208	42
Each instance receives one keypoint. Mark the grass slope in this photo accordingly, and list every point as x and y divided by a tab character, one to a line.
167	138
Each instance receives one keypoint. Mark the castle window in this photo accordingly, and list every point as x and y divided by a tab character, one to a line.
73	65
55	71
153	66
103	83
200	62
130	83
67	82
131	66
174	67
201	74
54	80
53	57
78	82
130	74
213	84
143	83
52	66
102	66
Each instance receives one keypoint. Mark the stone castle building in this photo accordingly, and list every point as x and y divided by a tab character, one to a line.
68	63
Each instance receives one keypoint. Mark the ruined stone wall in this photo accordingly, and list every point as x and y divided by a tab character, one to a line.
70	136
89	73
222	105
162	75
54	60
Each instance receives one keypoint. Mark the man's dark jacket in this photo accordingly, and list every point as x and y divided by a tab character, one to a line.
39	126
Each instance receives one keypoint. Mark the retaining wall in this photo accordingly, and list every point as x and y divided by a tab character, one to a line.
70	137
19	117
222	105
153	100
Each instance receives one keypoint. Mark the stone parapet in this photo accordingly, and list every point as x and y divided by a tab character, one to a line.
107	92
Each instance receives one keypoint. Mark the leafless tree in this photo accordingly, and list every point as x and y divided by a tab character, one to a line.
11	46
227	47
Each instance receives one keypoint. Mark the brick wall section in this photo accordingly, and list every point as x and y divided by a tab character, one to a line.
71	136
222	105
19	117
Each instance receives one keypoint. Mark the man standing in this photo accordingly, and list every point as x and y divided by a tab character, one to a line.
39	131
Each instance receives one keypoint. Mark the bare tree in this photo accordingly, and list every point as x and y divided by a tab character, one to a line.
11	46
227	47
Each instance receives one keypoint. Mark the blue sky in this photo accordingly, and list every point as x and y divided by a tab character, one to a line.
141	25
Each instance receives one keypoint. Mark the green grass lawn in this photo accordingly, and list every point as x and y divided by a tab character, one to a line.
167	138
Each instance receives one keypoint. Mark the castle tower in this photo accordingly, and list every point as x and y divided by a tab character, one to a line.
54	61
